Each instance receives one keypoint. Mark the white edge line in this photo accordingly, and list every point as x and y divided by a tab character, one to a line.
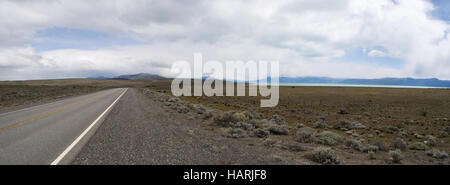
75	142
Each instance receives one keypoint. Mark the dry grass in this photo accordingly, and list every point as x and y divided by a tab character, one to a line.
382	110
15	93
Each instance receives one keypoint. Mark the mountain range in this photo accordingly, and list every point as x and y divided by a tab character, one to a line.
426	82
138	76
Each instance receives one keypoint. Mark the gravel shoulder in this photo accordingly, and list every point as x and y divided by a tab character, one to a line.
139	130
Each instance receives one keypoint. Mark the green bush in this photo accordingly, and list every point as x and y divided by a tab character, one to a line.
355	144
324	155
430	140
418	146
329	138
277	119
437	154
399	144
305	135
278	129
396	156
228	119
260	132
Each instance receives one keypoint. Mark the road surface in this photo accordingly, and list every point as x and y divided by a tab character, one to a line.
53	133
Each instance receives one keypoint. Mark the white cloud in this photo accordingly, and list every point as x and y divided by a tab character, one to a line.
306	36
376	53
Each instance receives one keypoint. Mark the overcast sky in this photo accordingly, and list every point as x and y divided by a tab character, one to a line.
334	38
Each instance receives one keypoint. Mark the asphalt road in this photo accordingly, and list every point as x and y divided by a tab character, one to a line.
52	133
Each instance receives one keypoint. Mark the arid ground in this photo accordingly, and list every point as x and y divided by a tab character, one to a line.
310	125
18	94
360	125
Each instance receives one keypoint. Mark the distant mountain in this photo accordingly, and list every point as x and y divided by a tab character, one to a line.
99	77
139	76
428	82
309	80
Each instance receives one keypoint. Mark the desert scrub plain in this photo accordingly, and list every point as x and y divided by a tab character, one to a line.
19	94
330	125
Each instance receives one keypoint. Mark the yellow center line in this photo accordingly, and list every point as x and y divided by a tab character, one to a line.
48	113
